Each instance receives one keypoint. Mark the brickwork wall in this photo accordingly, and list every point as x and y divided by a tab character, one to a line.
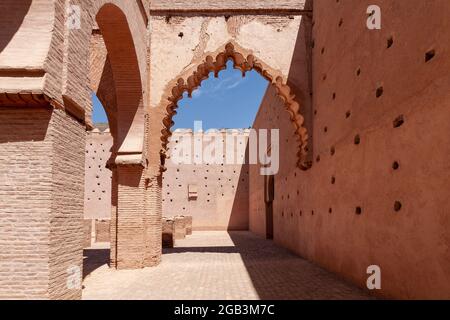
221	201
378	189
25	201
66	224
42	167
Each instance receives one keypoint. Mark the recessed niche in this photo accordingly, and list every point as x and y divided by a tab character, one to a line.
322	51
312	212
333	180
334	95
358	72
325	129
332	150
341	22
357	139
348	114
399	121
390	42
358	210
330	210
379	92
318	159
395	165
429	55
397	206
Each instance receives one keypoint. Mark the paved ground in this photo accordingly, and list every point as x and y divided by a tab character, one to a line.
216	265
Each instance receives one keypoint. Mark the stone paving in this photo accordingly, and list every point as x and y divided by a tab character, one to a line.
213	266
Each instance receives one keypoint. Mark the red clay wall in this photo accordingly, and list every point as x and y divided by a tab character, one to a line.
316	211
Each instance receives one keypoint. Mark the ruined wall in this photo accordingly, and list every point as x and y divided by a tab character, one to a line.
378	189
214	194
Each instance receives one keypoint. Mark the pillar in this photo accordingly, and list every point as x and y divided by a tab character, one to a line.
41	203
138	219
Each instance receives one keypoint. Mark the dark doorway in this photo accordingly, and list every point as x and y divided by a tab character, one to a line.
269	193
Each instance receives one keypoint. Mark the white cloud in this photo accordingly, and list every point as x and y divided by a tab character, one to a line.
197	93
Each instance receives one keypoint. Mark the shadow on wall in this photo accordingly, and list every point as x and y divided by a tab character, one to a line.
13	15
300	73
277	274
239	216
300	81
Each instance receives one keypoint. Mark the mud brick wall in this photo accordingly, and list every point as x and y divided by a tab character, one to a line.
377	193
220	201
179	225
102	230
40	237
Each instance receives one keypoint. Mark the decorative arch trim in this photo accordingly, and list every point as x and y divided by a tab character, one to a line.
245	64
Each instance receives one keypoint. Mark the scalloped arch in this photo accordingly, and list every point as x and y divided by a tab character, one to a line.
244	64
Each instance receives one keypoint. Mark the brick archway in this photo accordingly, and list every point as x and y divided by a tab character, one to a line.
45	101
135	242
217	62
122	63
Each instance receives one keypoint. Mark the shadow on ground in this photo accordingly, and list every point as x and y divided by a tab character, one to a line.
277	274
94	259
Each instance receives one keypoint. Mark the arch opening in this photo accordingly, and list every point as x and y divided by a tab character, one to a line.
244	64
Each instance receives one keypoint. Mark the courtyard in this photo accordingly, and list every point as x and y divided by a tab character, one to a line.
215	265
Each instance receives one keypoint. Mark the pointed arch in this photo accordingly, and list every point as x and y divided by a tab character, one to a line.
245	64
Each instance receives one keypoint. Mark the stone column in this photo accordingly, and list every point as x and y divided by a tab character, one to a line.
138	219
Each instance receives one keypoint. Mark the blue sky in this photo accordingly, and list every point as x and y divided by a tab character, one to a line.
229	101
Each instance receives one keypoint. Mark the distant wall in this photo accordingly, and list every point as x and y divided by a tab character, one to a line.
97	203
97	195
378	191
221	202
